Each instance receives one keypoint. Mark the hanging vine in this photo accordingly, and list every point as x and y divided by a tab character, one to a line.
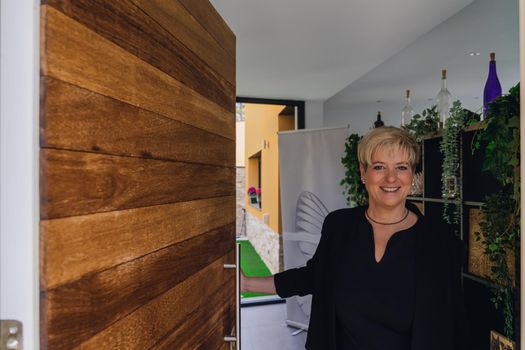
450	147
353	189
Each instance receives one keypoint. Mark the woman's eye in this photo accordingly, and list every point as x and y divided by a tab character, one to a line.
402	167
378	167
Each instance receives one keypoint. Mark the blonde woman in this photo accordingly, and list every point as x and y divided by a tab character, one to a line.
382	277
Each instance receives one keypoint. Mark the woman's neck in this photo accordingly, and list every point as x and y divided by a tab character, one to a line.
386	214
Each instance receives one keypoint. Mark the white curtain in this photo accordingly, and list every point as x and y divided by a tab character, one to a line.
309	160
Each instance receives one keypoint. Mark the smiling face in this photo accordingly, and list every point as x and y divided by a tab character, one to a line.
388	179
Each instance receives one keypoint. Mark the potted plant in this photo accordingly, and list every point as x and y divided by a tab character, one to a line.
353	189
252	193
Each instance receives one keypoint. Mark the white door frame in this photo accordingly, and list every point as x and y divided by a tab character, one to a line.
19	198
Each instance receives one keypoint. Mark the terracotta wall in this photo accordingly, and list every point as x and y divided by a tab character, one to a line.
137	175
262	124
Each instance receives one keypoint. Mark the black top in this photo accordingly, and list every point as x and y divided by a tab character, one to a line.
438	321
374	301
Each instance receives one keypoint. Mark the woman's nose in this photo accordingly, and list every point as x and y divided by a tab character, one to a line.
391	175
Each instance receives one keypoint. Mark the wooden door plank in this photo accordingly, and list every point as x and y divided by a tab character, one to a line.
214	339
172	310
174	17
129	27
210	19
194	334
74	118
77	311
75	246
77	183
74	54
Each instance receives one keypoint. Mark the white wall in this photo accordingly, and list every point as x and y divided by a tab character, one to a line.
19	72
314	114
240	128
483	26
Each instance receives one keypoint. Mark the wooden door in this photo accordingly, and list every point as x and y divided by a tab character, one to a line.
137	175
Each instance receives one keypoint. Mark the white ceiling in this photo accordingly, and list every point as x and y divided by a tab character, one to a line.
483	26
312	49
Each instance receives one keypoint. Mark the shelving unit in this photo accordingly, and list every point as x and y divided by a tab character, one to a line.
475	185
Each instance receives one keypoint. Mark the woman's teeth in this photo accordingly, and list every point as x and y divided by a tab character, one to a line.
390	189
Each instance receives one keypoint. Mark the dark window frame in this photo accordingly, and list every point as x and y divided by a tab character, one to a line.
296	103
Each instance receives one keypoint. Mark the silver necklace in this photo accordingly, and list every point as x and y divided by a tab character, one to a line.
387	223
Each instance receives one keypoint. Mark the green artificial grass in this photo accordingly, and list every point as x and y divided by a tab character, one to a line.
252	265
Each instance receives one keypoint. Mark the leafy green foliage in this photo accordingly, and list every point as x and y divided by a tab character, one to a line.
500	139
470	117
424	124
450	148
353	189
500	231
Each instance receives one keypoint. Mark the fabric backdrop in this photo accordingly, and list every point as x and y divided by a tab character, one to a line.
309	160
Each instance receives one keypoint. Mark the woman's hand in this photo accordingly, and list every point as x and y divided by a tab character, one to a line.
257	284
244	282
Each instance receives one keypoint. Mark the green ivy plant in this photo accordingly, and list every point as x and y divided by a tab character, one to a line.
500	231
423	124
450	147
353	189
500	139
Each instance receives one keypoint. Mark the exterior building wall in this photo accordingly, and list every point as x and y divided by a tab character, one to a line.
239	143
286	122
262	125
263	225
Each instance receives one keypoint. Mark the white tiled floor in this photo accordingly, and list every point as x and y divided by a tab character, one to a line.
264	328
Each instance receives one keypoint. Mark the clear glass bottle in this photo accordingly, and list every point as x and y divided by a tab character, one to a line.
443	99
408	111
492	86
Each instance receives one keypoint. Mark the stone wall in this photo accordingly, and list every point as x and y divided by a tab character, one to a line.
265	241
239	193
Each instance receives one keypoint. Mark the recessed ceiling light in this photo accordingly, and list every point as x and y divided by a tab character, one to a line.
429	99
474	53
379	101
476	97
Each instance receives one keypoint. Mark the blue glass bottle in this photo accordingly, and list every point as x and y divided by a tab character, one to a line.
492	86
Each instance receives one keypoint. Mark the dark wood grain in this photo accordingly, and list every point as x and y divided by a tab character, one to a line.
137	175
77	183
72	53
174	17
204	329
173	310
78	245
128	26
212	21
79	310
73	118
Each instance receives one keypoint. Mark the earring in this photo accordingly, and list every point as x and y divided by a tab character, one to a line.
363	180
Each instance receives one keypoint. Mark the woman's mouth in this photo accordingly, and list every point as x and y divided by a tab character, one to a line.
390	189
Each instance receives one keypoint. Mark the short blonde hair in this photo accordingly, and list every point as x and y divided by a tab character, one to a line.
390	138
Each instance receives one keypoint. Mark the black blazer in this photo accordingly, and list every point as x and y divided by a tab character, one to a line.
439	314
